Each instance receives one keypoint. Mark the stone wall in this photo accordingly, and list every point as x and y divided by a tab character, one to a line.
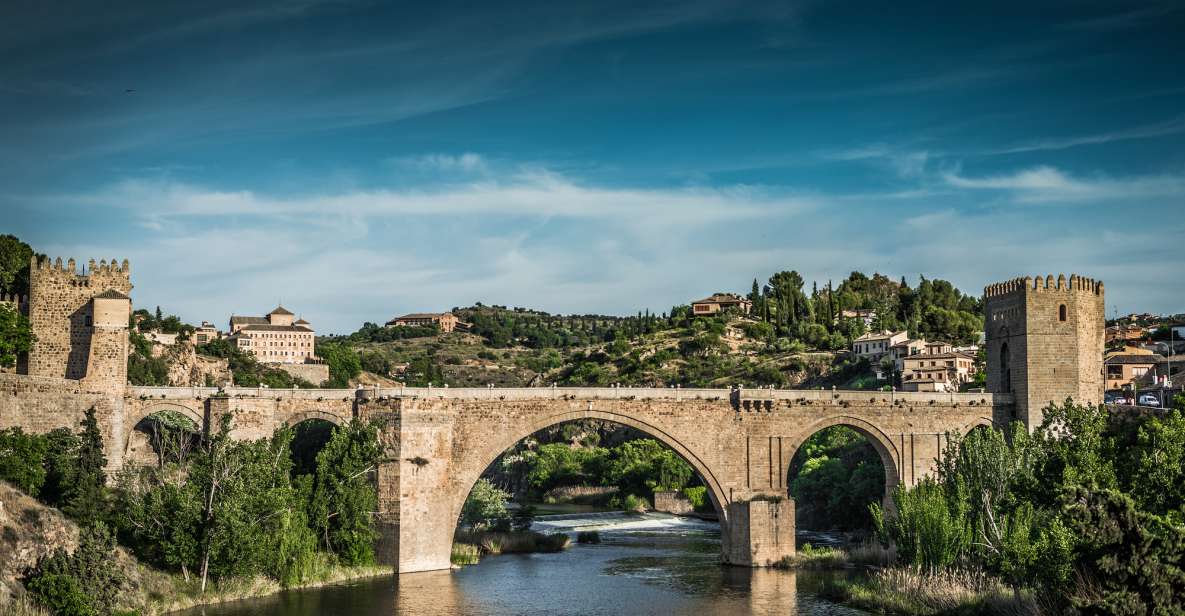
670	501
313	373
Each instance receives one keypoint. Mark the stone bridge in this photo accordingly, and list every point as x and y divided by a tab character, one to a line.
438	441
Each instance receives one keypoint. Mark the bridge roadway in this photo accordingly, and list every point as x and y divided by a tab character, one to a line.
438	441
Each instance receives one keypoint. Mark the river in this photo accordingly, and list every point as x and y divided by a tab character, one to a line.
651	564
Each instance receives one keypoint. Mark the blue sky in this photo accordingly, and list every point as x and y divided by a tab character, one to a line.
359	160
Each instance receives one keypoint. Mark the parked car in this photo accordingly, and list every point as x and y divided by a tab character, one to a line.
1149	400
1114	397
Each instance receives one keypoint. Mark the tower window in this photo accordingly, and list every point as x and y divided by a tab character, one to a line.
1061	312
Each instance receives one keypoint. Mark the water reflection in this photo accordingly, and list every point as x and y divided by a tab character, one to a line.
670	567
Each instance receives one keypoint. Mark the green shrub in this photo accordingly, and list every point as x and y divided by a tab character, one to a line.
635	504
925	530
588	536
62	594
84	583
22	459
698	497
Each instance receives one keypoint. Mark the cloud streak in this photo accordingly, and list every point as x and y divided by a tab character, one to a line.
1044	184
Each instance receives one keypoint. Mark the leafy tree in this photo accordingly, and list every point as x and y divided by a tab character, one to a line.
343	494
927	533
344	363
16	335
22	459
1134	561
15	257
640	466
485	502
837	474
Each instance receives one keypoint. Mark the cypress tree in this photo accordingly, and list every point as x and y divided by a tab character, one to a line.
84	495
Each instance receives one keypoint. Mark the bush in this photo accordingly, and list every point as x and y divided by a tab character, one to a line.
486	503
698	497
588	536
85	583
22	459
926	532
635	504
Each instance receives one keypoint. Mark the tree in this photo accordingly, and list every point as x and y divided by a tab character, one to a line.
85	496
485	502
22	459
927	533
1135	561
16	335
344	363
15	257
84	583
343	494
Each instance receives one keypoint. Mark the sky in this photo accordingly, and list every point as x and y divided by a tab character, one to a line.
359	160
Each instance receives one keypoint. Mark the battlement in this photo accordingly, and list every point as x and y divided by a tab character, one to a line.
49	268
1040	284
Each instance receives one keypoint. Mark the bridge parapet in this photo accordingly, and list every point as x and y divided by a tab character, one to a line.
579	393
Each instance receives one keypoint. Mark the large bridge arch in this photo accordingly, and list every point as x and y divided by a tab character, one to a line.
880	441
472	469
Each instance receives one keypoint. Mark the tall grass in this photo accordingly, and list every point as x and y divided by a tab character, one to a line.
903	590
811	557
518	542
465	554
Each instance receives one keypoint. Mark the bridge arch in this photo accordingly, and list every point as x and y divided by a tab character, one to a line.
148	410
292	420
880	441
472	471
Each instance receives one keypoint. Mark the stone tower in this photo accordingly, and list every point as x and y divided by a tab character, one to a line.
80	321
1045	342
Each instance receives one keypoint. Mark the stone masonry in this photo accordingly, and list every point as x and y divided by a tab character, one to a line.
1045	342
1042	341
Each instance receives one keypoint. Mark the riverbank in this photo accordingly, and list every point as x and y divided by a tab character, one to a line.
901	590
185	595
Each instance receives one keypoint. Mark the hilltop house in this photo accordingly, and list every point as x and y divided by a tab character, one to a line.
939	368
718	302
446	321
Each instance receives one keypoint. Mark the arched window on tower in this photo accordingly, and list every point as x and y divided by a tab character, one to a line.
1061	312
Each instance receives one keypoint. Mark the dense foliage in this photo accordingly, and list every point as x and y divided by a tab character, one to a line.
15	258
836	475
82	583
593	454
1089	510
16	335
236	507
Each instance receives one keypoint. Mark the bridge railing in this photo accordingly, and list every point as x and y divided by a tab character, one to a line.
582	393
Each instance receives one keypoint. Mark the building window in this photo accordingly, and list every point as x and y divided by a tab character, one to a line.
1061	312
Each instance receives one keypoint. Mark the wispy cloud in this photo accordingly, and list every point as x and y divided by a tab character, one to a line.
1174	126
1046	184
528	192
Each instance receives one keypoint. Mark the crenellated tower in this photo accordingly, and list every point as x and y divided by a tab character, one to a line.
1045	342
80	321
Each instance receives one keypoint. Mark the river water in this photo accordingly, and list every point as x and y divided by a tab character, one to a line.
653	564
